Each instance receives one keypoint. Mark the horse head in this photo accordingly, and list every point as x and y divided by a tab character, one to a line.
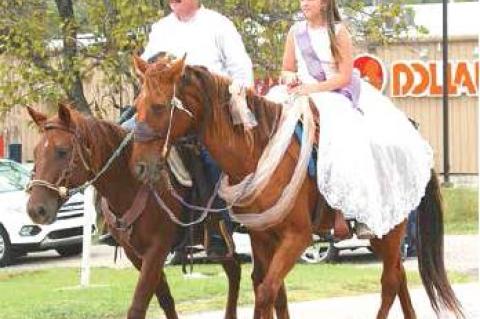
61	162
168	107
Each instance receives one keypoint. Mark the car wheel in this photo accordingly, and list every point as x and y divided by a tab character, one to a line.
320	252
68	251
5	248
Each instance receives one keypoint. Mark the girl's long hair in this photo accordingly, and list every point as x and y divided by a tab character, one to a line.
333	17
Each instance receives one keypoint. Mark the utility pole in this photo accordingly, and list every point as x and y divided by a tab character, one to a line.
446	148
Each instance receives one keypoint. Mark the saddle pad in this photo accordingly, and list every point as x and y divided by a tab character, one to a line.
312	163
178	168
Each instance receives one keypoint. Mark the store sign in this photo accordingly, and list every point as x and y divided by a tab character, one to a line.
419	79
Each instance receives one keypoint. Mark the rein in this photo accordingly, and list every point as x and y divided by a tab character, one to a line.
144	133
63	191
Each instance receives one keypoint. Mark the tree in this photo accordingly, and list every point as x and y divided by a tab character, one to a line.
54	46
265	24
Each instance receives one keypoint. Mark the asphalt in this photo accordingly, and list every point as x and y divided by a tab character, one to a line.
366	306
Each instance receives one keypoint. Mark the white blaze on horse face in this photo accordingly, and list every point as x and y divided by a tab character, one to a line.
45	145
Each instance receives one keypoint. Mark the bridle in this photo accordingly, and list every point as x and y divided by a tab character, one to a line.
144	133
61	186
62	183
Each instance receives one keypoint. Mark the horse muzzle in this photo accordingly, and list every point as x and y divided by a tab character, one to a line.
44	212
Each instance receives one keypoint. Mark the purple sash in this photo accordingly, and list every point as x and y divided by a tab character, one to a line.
315	68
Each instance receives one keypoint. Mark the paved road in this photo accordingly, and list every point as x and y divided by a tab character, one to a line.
366	306
461	254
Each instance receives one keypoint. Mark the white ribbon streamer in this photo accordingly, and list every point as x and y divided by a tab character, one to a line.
244	193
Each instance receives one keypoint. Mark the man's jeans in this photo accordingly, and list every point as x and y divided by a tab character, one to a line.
129	124
213	175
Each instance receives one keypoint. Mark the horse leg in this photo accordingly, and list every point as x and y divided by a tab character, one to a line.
404	295
292	243
162	291
150	277
261	253
233	270
393	276
165	298
281	303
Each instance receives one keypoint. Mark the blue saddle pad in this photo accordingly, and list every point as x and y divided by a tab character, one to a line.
312	163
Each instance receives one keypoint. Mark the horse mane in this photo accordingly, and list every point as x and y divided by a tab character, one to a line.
92	129
215	95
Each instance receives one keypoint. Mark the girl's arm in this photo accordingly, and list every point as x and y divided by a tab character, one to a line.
345	68
289	64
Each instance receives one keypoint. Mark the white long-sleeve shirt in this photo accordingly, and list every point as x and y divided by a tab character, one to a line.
209	39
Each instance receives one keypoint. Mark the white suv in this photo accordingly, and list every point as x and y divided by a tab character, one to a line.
19	235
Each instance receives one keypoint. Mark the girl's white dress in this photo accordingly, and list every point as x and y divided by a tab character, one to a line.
374	166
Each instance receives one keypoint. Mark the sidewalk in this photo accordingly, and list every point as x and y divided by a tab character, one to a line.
366	306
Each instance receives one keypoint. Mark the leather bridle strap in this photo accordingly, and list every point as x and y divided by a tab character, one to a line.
133	213
62	191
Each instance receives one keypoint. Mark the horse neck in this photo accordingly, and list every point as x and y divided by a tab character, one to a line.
117	184
237	153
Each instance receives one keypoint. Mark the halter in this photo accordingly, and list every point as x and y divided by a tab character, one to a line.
63	191
144	133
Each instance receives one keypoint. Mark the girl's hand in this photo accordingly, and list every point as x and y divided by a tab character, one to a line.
303	89
290	79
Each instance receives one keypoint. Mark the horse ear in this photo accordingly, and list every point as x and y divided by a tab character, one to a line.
140	67
64	113
177	68
37	117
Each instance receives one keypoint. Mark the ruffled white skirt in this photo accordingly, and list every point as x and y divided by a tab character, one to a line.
374	166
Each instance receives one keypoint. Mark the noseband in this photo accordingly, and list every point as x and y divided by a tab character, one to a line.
143	133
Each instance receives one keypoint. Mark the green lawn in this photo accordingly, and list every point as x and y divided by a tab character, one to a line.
461	210
53	294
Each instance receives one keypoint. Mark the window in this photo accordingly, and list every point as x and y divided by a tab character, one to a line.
12	177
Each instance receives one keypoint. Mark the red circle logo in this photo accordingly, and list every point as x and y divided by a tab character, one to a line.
371	70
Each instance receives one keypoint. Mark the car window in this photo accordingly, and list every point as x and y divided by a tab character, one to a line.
13	177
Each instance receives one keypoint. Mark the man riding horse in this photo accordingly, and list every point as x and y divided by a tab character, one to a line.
211	40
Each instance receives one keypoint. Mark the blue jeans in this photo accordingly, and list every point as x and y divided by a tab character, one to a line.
212	172
129	124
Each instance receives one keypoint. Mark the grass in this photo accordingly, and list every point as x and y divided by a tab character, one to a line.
461	210
54	293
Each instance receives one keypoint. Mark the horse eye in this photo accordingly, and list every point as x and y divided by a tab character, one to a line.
61	153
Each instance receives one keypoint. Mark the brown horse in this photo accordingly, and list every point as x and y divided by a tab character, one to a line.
70	152
206	97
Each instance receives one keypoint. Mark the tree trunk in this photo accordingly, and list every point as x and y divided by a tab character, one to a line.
73	83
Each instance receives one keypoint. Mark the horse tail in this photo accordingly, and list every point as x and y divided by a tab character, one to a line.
430	250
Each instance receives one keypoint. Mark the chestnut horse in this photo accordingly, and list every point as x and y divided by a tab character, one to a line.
204	110
71	149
